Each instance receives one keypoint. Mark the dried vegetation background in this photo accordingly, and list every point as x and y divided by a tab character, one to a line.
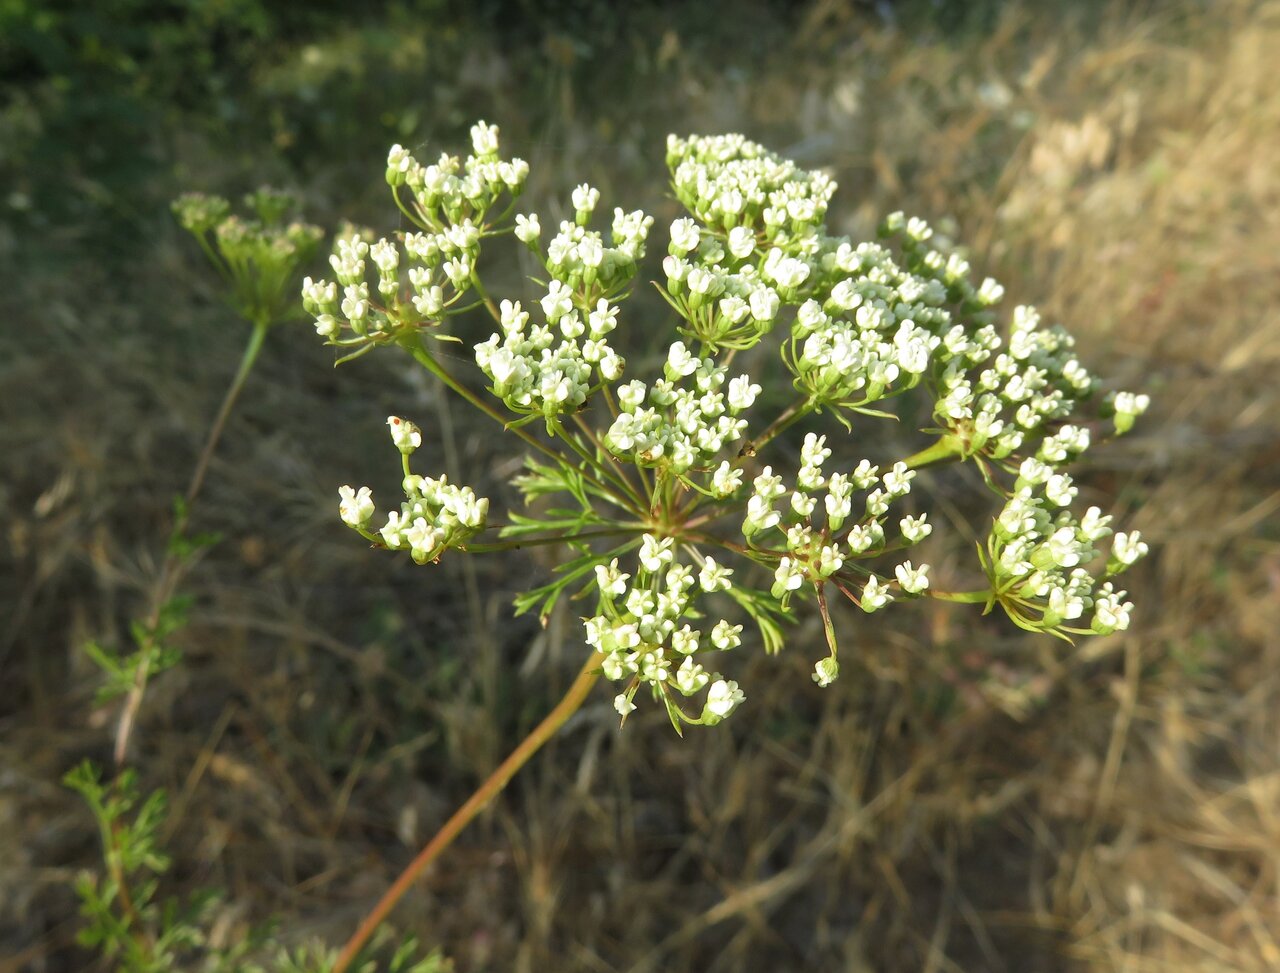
965	798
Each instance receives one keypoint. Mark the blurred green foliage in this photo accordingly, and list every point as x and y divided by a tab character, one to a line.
109	109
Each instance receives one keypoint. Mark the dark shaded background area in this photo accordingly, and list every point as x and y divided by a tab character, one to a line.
964	798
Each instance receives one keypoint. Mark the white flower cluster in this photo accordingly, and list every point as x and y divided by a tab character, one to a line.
996	401
638	630
550	369
806	533
421	277
677	425
577	255
434	517
866	326
861	323
728	182
1039	552
748	252
870	338
455	189
721	308
817	538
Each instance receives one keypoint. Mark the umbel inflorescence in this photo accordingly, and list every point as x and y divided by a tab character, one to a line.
673	490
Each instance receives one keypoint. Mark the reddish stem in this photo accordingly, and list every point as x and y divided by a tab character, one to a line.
573	699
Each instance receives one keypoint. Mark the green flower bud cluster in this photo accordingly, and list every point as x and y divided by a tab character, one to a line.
258	256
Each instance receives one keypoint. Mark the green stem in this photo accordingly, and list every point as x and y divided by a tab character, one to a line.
945	448
621	475
215	258
594	462
828	627
115	868
962	597
790	415
477	802
484	296
416	221
414	346
515	545
171	569
228	403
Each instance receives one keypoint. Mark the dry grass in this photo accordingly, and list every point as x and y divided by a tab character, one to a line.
969	800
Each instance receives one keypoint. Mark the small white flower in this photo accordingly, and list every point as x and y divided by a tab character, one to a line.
691	677
391	530
733	308
714	577
830	560
826	671
803	503
356	509
1032	472
1058	488
585	199
677	270
990	292
623	704
764	303
1128	548
680	362
603	319
725	480
399	163
423	538
875	595
864	475
767	485
484	138
1093	525
725	636
897	482
915	529
1063	549
655	552
877	503
837	501
558	302
470	510
742	393
742	242
787	577
684	235
1128	407
722	699
1110	612
404	434
528	229
685	641
913	580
